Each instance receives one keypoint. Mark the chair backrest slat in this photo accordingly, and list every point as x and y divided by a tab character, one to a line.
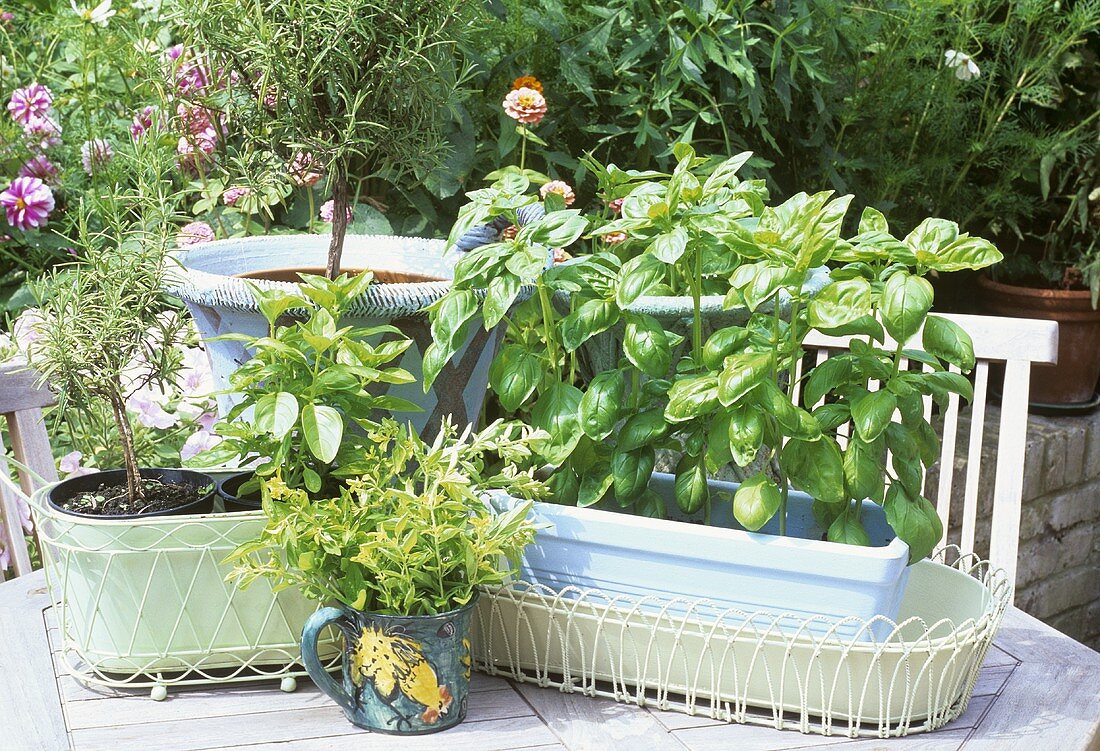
1016	343
21	403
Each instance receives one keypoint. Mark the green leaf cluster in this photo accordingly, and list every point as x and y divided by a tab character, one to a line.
305	398
410	533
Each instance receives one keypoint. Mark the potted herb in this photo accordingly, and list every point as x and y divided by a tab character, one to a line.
309	389
348	92
1054	274
105	334
399	552
731	400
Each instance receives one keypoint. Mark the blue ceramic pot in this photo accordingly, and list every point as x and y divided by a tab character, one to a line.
404	675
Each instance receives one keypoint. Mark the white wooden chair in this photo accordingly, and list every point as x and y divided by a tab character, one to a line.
21	403
1015	343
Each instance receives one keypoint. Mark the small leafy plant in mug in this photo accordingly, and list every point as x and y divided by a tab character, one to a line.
409	533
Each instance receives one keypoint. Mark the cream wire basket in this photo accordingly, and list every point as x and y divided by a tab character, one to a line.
145	603
757	668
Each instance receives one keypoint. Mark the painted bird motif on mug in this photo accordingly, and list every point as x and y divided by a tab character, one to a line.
396	666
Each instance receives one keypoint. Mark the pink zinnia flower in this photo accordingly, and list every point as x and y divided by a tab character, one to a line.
95	154
616	206
525	105
561	188
142	122
303	170
195	149
194	233
231	196
327	211
41	167
30	103
6	17
43	132
196	120
614	238
561	256
28	202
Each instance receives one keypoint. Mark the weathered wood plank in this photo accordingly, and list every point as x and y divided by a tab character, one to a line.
1051	700
31	447
12	539
585	722
30	708
232	701
309	729
19	390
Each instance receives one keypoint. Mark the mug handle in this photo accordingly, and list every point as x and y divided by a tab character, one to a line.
310	634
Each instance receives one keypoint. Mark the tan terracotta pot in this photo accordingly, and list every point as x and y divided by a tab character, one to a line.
1073	380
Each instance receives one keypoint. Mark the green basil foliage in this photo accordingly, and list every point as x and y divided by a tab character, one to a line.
308	387
725	396
410	534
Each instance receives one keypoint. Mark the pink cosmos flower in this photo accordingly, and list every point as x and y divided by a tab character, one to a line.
41	167
70	465
142	122
30	103
95	154
28	202
233	195
303	170
525	105
194	233
197	442
561	188
327	209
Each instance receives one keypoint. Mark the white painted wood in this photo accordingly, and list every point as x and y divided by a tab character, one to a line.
1004	540
974	456
947	457
1017	343
12	539
995	338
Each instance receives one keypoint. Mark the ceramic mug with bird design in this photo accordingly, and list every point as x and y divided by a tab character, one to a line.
406	675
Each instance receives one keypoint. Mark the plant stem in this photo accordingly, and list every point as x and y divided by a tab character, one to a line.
697	314
129	458
339	220
548	325
522	149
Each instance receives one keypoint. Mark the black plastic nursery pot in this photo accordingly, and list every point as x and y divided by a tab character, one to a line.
67	489
229	489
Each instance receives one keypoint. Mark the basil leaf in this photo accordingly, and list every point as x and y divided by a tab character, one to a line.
816	468
756	501
601	404
948	341
323	428
646	345
591	318
906	300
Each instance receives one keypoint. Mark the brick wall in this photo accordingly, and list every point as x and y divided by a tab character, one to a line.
1058	576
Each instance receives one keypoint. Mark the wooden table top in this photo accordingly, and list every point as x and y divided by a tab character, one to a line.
1039	690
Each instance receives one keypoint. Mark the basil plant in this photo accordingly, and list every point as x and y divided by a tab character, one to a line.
726	397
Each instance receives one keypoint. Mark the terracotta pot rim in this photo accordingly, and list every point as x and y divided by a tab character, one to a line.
1035	292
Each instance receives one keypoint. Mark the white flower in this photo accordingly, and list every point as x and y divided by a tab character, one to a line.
146	405
964	65
99	15
70	465
196	380
197	442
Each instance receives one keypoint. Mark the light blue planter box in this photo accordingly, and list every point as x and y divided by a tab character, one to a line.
800	574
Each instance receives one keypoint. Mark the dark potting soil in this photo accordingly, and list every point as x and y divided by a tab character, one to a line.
114	500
